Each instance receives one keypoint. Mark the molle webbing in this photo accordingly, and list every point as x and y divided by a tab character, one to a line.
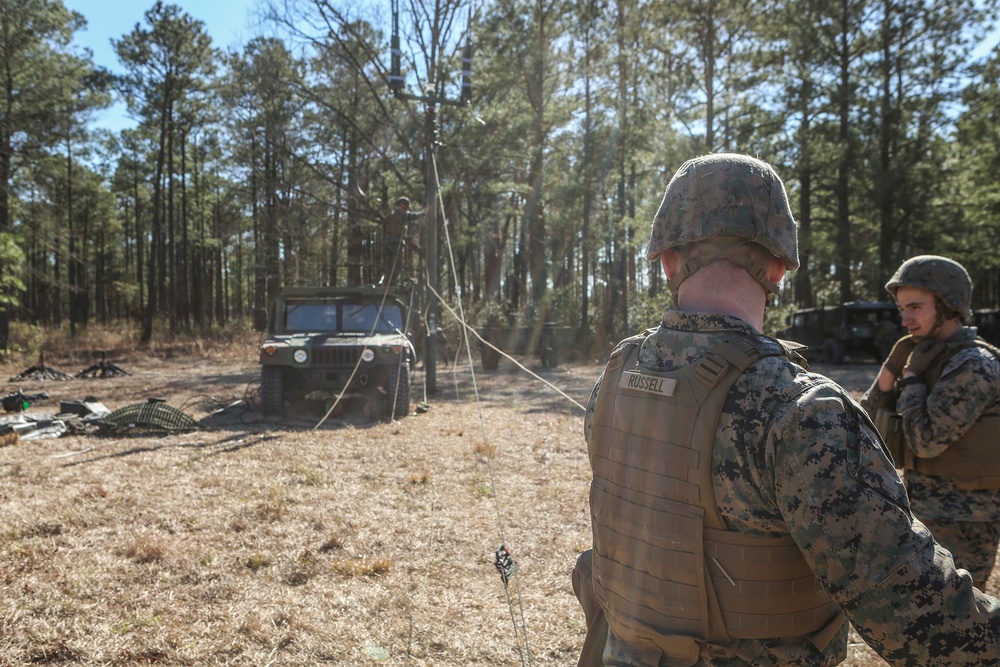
770	590
972	461
668	573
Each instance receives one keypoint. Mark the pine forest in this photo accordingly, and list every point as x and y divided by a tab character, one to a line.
536	136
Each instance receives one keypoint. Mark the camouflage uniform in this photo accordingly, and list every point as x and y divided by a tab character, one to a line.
941	407
393	235
795	455
966	521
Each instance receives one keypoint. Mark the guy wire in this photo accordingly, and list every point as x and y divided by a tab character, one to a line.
479	411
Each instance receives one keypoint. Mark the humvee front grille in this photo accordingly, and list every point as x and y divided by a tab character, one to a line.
336	356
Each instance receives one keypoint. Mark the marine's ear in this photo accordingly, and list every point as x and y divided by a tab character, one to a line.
776	270
670	260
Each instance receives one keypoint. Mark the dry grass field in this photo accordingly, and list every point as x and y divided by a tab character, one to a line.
277	542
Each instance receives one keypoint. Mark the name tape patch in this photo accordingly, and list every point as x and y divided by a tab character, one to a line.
651	383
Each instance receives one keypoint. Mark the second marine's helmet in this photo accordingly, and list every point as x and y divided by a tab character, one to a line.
945	278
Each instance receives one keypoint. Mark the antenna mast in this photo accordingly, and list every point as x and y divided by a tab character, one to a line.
431	102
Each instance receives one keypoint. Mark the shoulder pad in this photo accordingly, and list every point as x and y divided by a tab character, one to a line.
956	347
986	345
793	351
631	341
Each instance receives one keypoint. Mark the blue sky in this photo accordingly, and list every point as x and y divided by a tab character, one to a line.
228	22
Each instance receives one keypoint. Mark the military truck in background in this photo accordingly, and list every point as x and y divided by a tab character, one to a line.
857	329
541	339
987	323
330	343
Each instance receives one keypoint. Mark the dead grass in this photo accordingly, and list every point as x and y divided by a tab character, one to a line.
362	567
145	549
29	343
268	543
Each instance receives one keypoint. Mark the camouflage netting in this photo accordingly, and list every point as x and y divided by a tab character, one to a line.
145	417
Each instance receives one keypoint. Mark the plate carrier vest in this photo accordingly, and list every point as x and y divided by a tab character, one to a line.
667	572
972	461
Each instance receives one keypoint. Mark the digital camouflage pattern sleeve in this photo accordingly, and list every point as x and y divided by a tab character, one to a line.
933	420
872	396
845	506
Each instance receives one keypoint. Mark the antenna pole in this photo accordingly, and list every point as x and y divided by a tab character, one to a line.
430	99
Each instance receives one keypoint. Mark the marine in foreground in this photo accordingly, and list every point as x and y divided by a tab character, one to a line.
744	510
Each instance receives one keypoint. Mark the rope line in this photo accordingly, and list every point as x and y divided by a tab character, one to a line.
526	653
466	327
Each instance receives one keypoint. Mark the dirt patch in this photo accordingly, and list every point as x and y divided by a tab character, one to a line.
253	541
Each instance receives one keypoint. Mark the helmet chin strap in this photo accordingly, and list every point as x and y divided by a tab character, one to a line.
739	254
939	321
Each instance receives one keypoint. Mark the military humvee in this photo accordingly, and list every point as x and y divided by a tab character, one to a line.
857	329
326	341
987	323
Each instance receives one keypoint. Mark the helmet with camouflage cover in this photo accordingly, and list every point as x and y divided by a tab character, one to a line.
725	194
945	278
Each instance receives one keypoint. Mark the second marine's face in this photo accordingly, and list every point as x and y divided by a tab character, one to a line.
918	309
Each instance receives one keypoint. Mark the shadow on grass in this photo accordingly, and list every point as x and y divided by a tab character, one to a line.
238	441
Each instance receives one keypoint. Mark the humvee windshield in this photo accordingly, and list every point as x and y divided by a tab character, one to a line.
862	322
342	317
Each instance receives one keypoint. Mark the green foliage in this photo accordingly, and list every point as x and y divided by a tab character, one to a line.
277	162
778	318
11	263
